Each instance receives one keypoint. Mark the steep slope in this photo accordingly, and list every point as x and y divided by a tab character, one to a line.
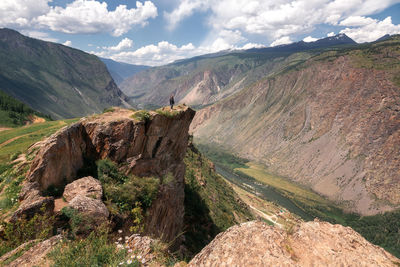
211	206
332	123
206	79
54	79
120	71
308	244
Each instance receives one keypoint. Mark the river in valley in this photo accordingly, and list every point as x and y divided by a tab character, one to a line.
262	191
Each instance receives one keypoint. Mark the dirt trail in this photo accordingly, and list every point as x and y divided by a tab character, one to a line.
59	203
4	129
272	218
17	137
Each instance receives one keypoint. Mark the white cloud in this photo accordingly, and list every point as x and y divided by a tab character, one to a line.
19	14
185	9
67	43
369	29
164	52
153	55
125	43
252	45
226	39
276	18
281	41
40	35
309	39
331	34
89	16
356	21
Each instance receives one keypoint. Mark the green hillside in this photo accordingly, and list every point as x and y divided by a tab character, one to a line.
54	79
15	113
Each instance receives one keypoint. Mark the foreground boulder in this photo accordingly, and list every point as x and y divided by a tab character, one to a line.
86	186
92	208
145	143
311	244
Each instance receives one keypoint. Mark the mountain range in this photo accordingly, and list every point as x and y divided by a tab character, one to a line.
55	79
324	114
203	80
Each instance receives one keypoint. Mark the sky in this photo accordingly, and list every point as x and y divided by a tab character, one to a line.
158	32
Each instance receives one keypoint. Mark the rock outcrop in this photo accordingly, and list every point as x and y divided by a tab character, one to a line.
86	186
152	146
35	256
310	244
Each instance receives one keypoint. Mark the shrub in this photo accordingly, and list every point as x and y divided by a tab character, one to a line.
124	191
167	113
138	219
141	115
110	109
40	226
78	223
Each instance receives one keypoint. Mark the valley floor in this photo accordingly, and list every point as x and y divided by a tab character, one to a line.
271	196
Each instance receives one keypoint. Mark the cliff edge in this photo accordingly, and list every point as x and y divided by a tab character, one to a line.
140	143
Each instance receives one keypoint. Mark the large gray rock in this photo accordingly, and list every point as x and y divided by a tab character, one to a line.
86	186
92	208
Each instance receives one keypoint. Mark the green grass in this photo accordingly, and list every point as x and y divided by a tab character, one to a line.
167	113
95	250
26	136
141	115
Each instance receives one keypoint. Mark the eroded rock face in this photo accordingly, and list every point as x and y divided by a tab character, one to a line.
332	126
311	244
86	186
153	147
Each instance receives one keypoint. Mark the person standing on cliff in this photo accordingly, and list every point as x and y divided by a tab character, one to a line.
171	101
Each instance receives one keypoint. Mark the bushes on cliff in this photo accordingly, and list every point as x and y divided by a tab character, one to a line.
40	226
122	191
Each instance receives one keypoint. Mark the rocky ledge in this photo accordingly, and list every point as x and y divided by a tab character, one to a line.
144	143
309	244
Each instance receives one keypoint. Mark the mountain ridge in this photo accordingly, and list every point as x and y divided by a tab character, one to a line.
331	122
55	79
120	70
206	79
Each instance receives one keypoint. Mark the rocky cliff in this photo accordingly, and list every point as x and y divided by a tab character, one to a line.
141	143
308	244
332	123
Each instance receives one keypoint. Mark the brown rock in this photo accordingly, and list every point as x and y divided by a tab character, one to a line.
35	256
154	147
86	186
33	205
92	208
312	244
